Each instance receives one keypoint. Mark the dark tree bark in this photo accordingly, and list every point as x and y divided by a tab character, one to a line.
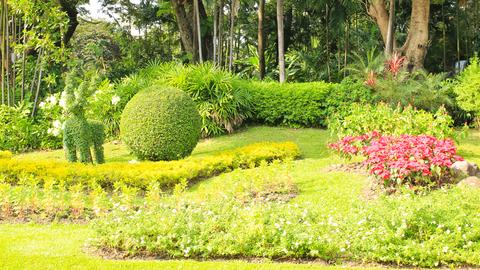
184	26
261	39
184	14
69	7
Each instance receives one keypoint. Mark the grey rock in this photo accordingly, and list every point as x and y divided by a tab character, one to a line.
464	168
471	181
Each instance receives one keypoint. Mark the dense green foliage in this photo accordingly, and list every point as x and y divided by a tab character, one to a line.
19	132
80	135
161	123
467	88
364	118
302	104
222	106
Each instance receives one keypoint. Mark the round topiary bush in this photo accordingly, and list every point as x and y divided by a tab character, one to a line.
161	123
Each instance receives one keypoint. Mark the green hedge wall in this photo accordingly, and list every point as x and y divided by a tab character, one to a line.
302	104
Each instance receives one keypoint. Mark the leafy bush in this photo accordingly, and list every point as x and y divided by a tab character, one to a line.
161	123
79	134
20	132
406	160
142	174
107	103
301	104
437	229
394	84
222	106
365	118
467	88
16	129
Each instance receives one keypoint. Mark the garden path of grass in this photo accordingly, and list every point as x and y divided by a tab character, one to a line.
59	246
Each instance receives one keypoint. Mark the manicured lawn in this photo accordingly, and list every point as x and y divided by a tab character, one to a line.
59	246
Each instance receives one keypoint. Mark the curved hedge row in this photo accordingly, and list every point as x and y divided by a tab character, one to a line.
141	175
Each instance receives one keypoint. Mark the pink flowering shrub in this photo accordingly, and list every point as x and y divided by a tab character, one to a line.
405	160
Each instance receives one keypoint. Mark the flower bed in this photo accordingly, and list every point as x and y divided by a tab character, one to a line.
405	160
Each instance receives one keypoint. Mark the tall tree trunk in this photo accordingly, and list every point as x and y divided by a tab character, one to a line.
215	32
391	30
416	45
261	39
198	30
327	41
281	41
69	7
378	12
235	4
184	26
220	53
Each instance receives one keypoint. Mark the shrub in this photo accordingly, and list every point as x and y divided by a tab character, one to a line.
78	133
392	83
301	104
107	103
161	123
467	88
406	160
438	229
222	106
365	118
141	175
16	129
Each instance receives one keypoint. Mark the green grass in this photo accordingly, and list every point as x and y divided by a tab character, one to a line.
311	142
59	246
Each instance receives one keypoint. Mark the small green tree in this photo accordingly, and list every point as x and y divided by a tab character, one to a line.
468	88
79	134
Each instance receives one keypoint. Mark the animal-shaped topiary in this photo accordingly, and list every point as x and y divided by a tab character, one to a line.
79	134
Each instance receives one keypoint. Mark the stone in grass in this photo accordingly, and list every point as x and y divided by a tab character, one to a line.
471	181
462	169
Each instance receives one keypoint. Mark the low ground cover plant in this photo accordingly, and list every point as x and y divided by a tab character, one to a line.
403	161
428	231
361	119
142	174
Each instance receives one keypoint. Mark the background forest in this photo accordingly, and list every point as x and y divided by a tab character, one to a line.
404	52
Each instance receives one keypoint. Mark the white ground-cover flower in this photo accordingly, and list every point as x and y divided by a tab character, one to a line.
115	100
41	105
52	100
63	101
56	128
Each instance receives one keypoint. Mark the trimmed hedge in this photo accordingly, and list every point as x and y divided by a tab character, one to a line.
302	104
161	123
141	175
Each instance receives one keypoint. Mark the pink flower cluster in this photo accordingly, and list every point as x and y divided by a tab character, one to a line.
350	146
406	159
